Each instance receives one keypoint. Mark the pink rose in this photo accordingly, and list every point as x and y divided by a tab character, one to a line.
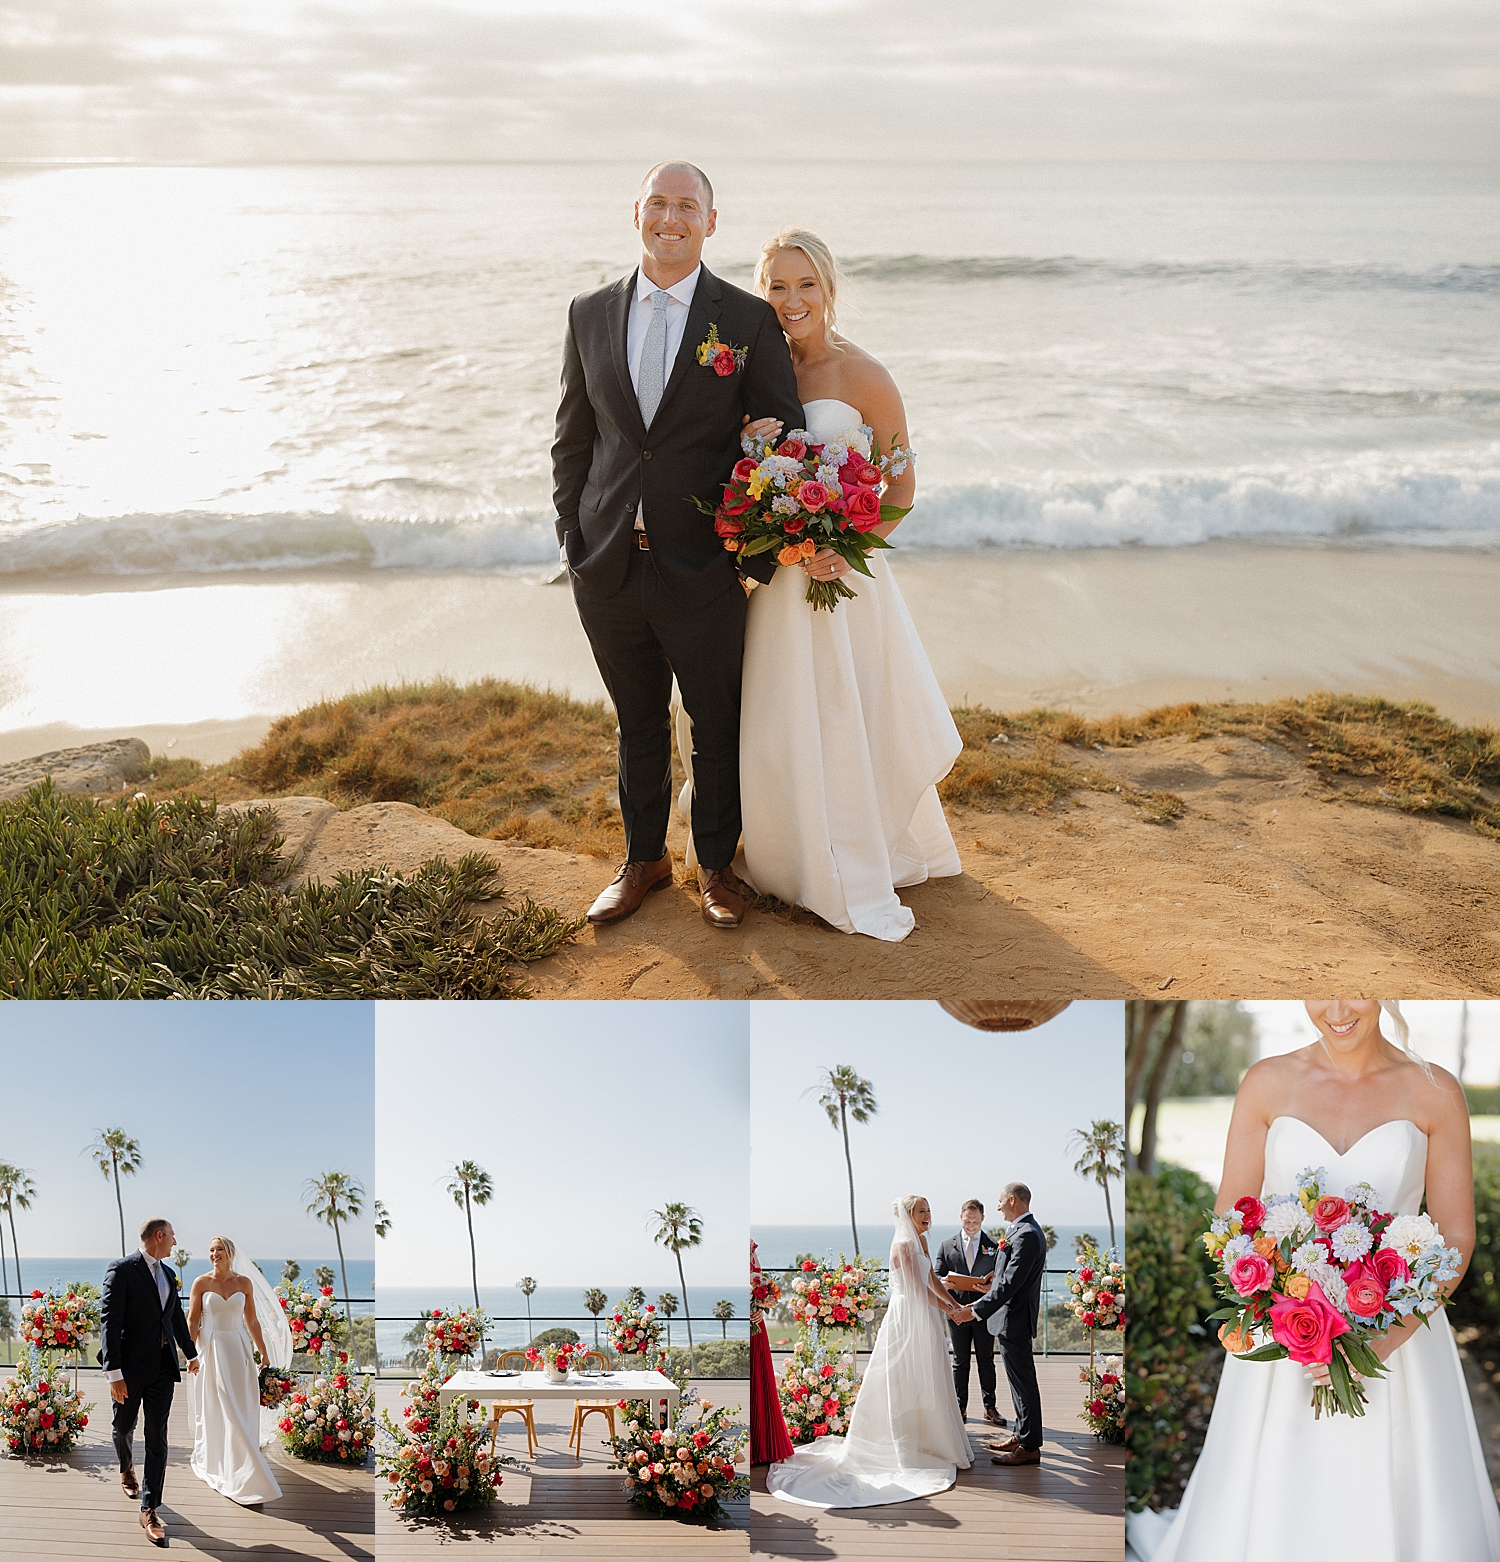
1389	1266
1251	1273
1307	1328
813	496
858	472
862	506
1252	1214
1330	1213
1366	1294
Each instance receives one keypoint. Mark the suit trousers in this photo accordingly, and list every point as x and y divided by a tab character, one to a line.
155	1400
973	1339
1020	1368
640	638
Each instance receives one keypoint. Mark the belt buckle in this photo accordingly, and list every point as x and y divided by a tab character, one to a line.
640	539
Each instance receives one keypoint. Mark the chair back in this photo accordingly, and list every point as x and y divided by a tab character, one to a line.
598	1359
513	1358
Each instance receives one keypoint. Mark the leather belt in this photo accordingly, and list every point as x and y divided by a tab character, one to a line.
640	539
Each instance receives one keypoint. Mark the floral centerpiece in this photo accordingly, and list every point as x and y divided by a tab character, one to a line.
557	1360
40	1415
330	1420
817	1391
1097	1286
275	1386
799	496
1104	1409
685	1469
317	1324
634	1329
459	1332
59	1320
836	1296
436	1458
1322	1276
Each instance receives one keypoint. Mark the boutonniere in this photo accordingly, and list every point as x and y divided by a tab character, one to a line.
720	356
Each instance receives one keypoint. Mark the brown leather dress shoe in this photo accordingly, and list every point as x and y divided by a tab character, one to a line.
630	887
152	1525
129	1485
993	1416
1018	1456
1004	1444
723	897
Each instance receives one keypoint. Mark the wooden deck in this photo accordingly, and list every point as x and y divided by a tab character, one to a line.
1069	1508
74	1507
566	1506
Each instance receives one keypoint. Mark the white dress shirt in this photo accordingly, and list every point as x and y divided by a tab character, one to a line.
163	1290
680	300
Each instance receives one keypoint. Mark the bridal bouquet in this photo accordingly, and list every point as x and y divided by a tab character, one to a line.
557	1358
275	1387
332	1420
797	497
686	1469
1323	1276
60	1321
634	1330
39	1414
316	1322
817	1392
836	1296
1104	1410
456	1333
1098	1290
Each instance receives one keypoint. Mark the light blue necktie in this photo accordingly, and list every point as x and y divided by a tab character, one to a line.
653	371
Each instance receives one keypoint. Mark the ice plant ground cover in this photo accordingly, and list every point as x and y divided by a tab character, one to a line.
1323	1276
330	1419
40	1415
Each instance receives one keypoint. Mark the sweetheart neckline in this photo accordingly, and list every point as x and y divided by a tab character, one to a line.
1343	1154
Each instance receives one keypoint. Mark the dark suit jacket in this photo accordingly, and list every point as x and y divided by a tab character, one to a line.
134	1326
605	461
1015	1294
950	1259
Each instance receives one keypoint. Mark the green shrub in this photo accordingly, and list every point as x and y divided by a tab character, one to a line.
1172	1356
716	1359
1484	1100
1476	1303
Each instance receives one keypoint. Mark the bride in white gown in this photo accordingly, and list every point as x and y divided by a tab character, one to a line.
1406	1482
229	1313
906	1438
844	731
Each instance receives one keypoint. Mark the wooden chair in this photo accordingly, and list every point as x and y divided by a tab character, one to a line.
589	1407
526	1409
599	1359
513	1358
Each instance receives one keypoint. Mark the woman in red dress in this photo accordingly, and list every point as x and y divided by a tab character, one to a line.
769	1441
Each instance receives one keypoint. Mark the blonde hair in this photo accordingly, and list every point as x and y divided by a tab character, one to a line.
819	257
228	1248
1402	1038
909	1203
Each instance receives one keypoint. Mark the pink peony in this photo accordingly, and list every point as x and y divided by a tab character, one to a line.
1251	1273
1307	1328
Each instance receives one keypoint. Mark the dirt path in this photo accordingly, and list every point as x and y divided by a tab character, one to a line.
1265	887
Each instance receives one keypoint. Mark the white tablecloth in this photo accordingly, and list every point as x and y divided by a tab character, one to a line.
535	1385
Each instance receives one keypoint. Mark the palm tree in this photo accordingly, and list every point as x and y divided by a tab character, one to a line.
596	1301
469	1184
15	1188
636	1296
182	1258
666	1305
4	1266
1102	1147
7	1325
334	1198
843	1094
678	1226
383	1221
724	1311
117	1155
290	1269
323	1275
526	1285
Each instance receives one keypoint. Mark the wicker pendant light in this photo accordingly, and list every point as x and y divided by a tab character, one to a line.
996	1014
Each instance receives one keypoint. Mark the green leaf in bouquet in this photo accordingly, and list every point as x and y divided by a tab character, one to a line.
1361	1357
894	512
1270	1352
873	540
1223	1315
1348	1393
856	560
760	545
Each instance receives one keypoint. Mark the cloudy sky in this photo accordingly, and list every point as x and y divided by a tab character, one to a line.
298	80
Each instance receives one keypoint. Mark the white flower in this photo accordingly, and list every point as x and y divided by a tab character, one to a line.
1351	1241
1411	1236
1235	1248
1308	1257
1287	1219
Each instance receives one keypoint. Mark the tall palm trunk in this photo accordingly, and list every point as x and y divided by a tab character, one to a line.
474	1269
119	1203
10	1210
687	1315
5	1268
849	1165
1109	1213
344	1276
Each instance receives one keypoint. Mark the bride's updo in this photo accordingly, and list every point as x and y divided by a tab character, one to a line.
228	1247
819	257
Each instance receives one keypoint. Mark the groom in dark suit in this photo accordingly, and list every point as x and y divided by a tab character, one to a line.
1011	1307
972	1254
142	1325
650	419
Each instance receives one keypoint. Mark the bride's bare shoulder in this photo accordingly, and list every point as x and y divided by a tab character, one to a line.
1266	1086
1437	1098
863	376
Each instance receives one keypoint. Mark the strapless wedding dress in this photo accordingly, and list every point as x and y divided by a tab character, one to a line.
225	1398
906	1438
1405	1482
844	734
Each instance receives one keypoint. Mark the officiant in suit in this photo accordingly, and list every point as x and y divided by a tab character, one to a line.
142	1325
650	419
1011	1308
971	1255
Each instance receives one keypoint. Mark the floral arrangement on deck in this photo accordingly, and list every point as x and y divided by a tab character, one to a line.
59	1320
634	1330
817	1391
332	1419
39	1414
437	1458
456	1333
275	1386
1097	1284
1323	1276
1104	1410
557	1357
685	1470
316	1322
836	1296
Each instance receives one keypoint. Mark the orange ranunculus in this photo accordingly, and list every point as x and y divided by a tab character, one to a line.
1298	1286
1233	1340
791	554
809	547
1266	1247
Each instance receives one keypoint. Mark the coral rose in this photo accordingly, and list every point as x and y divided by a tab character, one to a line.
862	506
1366	1295
1251	1273
1307	1328
795	448
1266	1247
1235	1341
1330	1213
791	554
1252	1214
813	496
808	547
724	364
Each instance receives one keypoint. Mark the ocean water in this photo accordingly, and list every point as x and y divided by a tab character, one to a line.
780	1245
40	1273
214	371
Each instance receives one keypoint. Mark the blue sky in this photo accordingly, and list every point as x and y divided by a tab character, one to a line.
234	1106
586	1115
961	1112
300	80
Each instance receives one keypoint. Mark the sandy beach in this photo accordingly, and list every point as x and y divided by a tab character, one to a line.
200	668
